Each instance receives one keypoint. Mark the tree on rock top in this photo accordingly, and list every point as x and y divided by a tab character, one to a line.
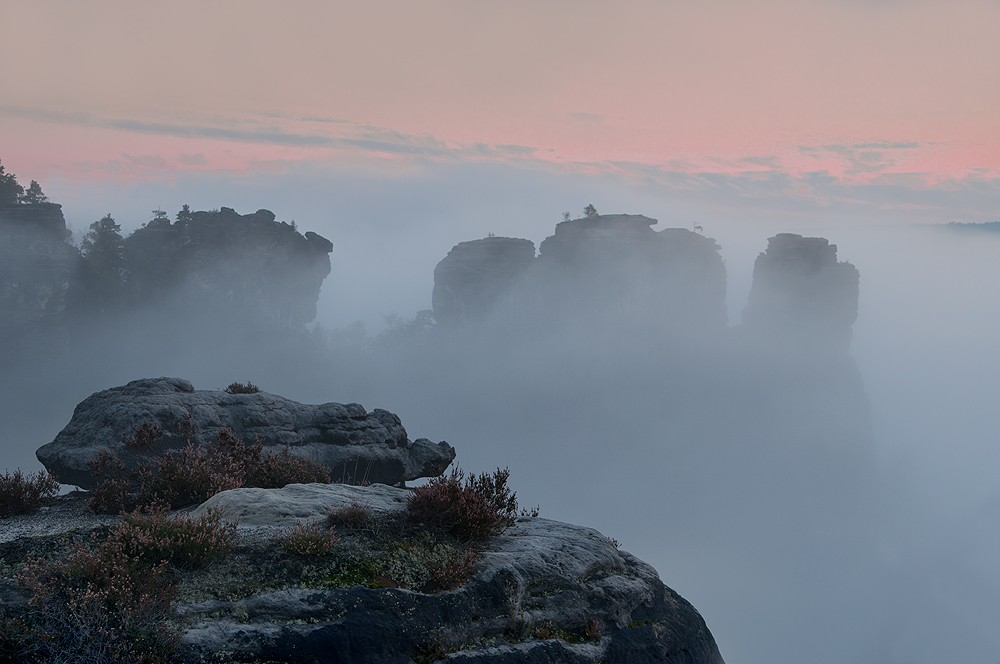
10	190
103	270
34	194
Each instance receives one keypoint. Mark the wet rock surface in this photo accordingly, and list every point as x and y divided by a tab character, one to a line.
354	444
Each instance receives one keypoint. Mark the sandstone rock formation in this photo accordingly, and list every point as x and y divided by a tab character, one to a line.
603	270
619	264
250	264
800	292
37	265
353	444
538	573
475	277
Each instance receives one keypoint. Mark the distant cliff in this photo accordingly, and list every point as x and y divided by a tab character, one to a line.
249	268
604	270
615	271
250	263
801	292
37	266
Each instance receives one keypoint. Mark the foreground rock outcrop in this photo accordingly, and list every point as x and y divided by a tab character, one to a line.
352	443
539	573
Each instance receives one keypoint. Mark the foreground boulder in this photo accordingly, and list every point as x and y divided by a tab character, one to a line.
353	444
539	573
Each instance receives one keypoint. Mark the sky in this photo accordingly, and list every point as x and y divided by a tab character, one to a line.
866	92
397	129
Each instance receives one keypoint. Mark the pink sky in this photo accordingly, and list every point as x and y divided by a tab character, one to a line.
864	90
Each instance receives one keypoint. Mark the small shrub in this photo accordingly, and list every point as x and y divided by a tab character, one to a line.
545	631
242	388
145	437
307	539
187	477
98	604
184	428
454	570
473	510
591	631
278	469
349	516
110	496
180	540
192	475
19	493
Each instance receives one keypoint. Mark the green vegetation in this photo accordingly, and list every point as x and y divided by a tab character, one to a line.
109	601
108	598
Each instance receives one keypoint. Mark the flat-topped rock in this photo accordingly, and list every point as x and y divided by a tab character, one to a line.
354	444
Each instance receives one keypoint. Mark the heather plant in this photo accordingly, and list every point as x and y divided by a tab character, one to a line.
426	565
98	604
186	477
180	540
454	570
109	601
278	469
349	516
192	475
306	539
242	388
20	494
473	510
144	438
111	495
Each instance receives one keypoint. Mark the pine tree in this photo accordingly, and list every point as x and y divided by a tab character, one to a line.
34	194
10	190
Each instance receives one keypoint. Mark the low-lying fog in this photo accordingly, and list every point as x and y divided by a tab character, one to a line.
803	531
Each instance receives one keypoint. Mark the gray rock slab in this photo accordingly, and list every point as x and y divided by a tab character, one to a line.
355	445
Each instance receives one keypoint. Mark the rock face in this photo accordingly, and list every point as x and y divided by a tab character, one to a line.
475	277
250	264
37	265
538	571
619	263
800	291
601	270
353	444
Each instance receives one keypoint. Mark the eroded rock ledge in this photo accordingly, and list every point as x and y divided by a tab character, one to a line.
352	443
